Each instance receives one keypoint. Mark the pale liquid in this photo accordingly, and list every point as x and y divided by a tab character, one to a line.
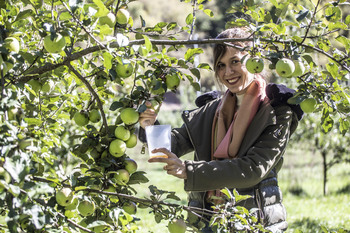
158	156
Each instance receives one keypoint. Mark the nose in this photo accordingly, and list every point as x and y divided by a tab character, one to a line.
229	70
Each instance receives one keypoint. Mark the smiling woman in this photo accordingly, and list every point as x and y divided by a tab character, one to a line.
238	139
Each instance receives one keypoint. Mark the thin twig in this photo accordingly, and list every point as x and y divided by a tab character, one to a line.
92	91
312	18
82	26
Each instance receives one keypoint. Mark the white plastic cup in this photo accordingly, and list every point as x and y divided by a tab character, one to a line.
158	136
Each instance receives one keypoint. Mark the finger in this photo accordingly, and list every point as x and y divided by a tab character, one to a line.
158	160
148	104
165	151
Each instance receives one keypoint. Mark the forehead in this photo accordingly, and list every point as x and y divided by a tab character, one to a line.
232	52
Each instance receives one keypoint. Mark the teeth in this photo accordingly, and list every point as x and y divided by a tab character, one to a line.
232	80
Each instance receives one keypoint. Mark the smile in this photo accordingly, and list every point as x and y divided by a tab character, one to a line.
233	80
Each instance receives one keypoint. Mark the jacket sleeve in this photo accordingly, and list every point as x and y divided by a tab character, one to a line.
180	141
248	170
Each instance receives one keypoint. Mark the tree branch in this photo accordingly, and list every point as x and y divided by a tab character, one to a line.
48	67
92	91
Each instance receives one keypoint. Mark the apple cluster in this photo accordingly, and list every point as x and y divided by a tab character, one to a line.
82	118
285	67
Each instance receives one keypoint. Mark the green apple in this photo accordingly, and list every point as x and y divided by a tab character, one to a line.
130	165
177	226
255	65
35	85
73	205
64	196
117	148
172	81
86	207
132	141
56	45
109	20
122	176
285	67
155	105
130	207
124	69
308	105
46	87
94	115
122	133
100	81
81	118
129	116
123	16
299	68
12	44
159	91
4	175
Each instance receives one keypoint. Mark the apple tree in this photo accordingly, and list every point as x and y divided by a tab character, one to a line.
76	74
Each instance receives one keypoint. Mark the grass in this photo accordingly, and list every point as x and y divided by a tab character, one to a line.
301	183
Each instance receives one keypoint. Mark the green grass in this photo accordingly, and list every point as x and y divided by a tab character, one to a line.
301	183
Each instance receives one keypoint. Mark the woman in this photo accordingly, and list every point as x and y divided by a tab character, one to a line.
238	139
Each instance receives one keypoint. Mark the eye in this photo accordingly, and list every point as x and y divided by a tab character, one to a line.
235	61
220	66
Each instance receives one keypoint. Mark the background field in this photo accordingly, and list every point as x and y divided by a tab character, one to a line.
301	183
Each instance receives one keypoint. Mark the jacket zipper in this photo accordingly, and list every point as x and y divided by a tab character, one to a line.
185	115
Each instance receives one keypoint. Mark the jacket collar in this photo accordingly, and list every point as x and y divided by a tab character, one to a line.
265	116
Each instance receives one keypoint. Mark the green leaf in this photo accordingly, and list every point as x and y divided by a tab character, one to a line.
102	9
343	125
333	14
332	68
208	12
148	43
196	73
302	14
171	26
326	121
107	60
33	121
189	19
345	41
347	20
115	105
191	52
337	25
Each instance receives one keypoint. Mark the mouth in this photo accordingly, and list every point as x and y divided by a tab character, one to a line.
233	80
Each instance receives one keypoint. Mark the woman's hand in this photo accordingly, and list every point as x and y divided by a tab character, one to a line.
149	116
174	166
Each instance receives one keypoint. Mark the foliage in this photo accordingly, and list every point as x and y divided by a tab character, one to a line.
44	148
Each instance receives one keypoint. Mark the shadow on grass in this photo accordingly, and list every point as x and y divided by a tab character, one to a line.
297	191
308	225
344	190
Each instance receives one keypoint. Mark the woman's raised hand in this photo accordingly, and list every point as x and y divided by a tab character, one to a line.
174	166
149	116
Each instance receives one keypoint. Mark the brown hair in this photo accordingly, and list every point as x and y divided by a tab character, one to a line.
239	33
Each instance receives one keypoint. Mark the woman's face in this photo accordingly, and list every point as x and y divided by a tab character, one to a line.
232	73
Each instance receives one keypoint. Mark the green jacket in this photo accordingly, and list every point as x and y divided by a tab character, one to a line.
253	172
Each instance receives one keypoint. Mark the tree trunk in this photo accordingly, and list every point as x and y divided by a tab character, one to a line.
324	157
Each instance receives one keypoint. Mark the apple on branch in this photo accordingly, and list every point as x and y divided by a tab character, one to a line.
285	67
64	196
177	225
255	65
12	44
124	69
108	19
123	16
54	44
130	165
